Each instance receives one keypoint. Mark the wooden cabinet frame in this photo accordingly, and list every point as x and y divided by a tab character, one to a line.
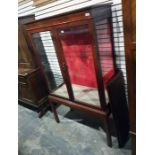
129	18
65	21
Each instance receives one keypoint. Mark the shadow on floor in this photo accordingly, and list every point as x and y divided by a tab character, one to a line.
89	121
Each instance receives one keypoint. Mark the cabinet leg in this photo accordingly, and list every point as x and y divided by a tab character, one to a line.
71	109
107	129
43	111
54	112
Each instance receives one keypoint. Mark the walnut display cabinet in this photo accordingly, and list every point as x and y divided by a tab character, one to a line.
78	49
32	89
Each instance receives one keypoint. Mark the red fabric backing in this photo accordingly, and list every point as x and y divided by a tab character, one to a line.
77	49
78	54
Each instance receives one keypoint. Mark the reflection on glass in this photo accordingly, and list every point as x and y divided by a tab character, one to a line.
105	48
77	47
46	50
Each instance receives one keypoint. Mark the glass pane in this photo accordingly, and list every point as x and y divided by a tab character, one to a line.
105	48
77	47
102	21
46	50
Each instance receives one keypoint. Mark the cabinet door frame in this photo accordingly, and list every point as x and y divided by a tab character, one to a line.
61	58
37	57
98	72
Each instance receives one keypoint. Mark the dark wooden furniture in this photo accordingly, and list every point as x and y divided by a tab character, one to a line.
30	93
83	44
31	84
129	18
119	107
25	59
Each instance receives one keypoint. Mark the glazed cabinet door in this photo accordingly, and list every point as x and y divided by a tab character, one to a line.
45	50
77	52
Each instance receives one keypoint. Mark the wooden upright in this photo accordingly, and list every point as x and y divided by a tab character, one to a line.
129	18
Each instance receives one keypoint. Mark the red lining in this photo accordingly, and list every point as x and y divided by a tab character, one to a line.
77	49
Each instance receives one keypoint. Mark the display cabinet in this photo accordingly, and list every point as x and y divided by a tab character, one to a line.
78	49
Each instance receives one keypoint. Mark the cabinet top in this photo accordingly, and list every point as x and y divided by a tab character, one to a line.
78	15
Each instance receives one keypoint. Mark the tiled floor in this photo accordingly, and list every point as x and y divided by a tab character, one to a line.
70	137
